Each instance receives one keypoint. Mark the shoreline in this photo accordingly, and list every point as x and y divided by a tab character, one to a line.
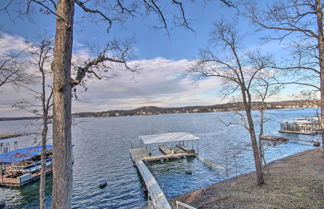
295	181
155	110
8	136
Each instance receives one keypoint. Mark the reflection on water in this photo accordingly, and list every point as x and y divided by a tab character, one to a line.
101	152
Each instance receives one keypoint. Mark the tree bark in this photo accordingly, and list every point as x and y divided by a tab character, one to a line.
320	39
255	149
62	151
43	159
262	121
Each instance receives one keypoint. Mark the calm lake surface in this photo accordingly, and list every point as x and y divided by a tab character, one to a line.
101	152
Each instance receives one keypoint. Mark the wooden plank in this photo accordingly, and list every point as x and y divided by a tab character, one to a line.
157	197
186	149
166	150
169	156
142	154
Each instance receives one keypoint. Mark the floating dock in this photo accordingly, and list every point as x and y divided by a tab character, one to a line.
281	139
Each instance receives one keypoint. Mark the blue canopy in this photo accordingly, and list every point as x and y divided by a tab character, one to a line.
22	154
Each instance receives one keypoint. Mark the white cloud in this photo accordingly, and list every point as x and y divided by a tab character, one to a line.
10	42
159	82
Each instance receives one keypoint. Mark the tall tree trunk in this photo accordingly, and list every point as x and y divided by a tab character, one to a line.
43	160
261	151
62	151
255	149
256	154
319	13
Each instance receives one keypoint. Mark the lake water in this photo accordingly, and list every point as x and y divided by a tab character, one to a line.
101	152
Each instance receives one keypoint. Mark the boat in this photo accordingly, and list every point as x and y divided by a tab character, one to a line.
21	166
307	126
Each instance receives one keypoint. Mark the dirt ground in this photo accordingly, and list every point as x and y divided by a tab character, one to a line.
294	182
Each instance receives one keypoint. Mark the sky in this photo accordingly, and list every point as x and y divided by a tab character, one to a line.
164	57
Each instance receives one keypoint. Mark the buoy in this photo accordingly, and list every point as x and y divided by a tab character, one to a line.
315	143
188	172
2	204
102	184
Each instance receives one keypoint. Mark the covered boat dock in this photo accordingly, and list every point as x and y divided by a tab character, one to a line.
21	166
156	197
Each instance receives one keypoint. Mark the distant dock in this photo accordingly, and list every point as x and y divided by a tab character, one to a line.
284	139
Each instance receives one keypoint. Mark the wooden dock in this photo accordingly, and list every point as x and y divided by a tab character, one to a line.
138	154
156	197
168	157
185	149
166	150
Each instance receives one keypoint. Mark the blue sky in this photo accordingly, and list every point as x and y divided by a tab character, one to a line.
164	57
150	42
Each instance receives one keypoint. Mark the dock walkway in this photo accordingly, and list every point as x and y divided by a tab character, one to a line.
156	197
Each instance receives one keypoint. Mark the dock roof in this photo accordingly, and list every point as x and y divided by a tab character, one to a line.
167	137
22	154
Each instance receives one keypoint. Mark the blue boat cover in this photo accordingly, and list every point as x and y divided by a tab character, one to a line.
22	154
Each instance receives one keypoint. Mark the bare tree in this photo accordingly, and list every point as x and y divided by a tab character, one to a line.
39	57
239	73
43	54
265	87
11	71
301	20
111	12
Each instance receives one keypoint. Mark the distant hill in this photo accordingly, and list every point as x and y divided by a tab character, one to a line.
19	118
153	110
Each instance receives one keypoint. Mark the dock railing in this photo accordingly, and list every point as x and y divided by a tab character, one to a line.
181	205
